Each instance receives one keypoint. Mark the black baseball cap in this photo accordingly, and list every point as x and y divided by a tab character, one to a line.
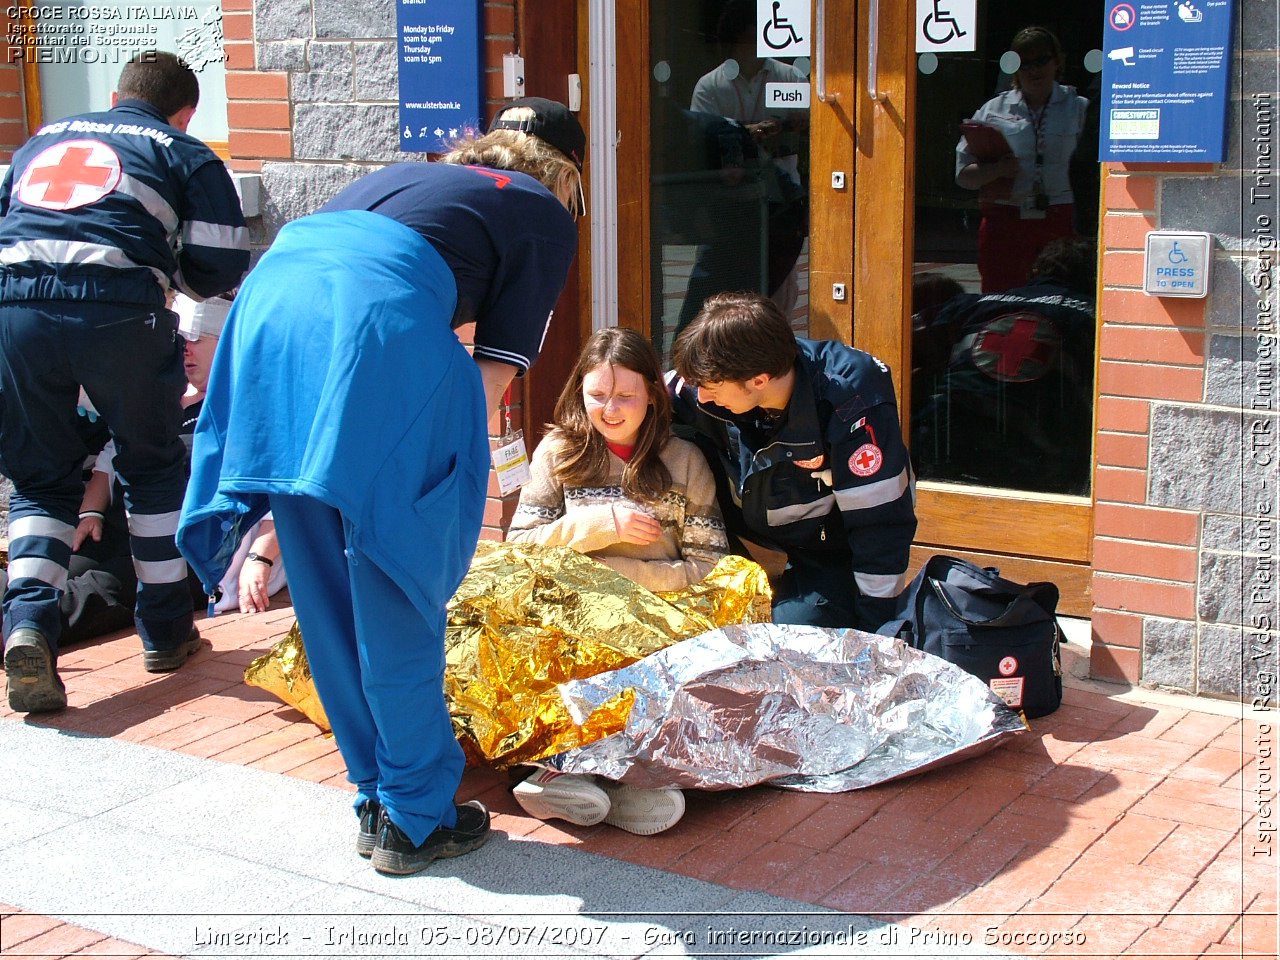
551	121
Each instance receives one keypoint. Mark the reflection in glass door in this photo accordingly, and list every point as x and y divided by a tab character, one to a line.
729	165
1004	273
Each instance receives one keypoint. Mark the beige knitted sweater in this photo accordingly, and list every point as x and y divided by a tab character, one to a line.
693	536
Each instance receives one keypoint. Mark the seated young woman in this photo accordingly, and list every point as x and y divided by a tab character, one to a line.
610	481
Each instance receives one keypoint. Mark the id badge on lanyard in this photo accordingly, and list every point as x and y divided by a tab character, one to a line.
1036	207
510	459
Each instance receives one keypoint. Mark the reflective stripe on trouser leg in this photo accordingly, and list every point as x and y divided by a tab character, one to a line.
378	667
163	610
39	554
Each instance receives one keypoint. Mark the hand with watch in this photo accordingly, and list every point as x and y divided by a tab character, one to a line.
255	574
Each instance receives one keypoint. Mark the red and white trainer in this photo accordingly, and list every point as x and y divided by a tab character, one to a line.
549	795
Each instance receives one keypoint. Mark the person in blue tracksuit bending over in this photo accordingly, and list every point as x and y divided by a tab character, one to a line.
341	399
804	440
103	215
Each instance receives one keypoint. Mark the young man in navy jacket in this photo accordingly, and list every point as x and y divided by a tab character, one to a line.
804	439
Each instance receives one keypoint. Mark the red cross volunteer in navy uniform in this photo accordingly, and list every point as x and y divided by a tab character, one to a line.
1013	407
803	437
103	215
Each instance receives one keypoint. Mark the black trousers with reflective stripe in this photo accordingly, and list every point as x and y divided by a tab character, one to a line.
129	361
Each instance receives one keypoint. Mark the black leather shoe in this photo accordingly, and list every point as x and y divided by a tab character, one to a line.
164	661
34	684
367	838
396	854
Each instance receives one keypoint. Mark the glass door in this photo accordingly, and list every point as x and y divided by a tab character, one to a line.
1003	288
851	208
729	164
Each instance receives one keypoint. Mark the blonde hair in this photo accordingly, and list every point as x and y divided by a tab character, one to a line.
524	153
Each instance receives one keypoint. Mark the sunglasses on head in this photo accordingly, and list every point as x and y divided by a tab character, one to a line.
1040	61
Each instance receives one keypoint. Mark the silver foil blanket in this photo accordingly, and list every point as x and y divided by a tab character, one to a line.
799	707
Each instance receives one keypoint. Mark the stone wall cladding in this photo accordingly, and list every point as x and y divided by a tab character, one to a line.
292	190
329	76
278	55
369	19
1196	453
1211	451
282	20
338	63
348	132
377	71
1164	653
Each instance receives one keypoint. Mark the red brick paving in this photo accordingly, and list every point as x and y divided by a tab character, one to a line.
1114	819
25	935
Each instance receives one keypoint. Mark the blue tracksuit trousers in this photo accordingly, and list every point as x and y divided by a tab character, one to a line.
378	665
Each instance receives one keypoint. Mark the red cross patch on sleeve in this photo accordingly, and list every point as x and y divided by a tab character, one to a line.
866	460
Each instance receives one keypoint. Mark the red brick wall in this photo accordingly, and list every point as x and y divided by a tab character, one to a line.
1150	349
258	114
13	120
500	38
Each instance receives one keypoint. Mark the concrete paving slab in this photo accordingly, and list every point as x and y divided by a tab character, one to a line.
24	820
80	774
265	818
193	857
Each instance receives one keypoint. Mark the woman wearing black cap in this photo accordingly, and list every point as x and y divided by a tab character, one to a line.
341	400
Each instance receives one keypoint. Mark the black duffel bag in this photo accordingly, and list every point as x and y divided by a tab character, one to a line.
1002	632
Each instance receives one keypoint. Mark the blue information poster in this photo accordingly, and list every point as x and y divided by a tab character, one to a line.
1166	81
440	72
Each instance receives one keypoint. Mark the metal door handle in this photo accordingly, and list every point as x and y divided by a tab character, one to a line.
820	53
873	60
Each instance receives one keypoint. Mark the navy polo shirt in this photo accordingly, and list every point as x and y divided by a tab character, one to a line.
506	238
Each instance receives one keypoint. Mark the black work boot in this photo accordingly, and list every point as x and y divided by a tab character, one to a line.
396	854
367	838
165	661
34	684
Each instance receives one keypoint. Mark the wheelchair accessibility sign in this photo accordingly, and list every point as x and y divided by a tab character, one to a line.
946	25
1177	264
782	28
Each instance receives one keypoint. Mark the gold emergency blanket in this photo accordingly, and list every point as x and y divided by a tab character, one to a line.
800	707
527	618
283	671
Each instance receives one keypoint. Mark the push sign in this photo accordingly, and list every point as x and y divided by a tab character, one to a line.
1177	264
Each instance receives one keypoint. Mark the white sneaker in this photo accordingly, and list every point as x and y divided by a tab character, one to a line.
549	795
643	812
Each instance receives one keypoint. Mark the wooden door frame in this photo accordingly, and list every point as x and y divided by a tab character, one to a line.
1030	537
832	137
634	167
550	42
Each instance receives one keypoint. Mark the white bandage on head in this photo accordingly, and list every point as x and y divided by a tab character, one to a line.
196	320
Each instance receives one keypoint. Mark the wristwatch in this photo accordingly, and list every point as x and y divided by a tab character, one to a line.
260	559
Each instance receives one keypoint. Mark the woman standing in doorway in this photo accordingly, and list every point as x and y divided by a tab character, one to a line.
1024	190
